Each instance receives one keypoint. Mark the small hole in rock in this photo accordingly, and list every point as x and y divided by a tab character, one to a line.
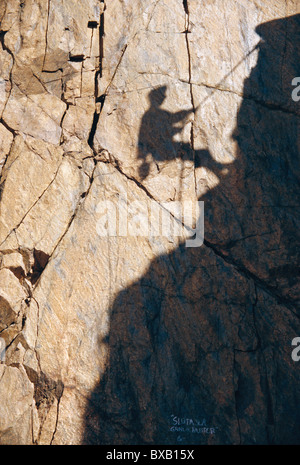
92	24
76	58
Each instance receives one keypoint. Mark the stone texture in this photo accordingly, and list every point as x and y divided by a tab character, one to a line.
138	339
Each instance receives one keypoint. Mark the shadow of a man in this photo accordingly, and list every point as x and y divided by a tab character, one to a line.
157	131
157	137
200	345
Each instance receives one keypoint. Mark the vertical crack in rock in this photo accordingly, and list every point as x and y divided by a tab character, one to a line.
46	36
37	333
7	49
99	100
186	33
63	117
101	37
59	389
46	390
2	183
228	45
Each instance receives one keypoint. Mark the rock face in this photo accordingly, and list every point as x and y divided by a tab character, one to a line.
111	113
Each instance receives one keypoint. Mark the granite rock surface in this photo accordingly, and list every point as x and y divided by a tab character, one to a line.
114	113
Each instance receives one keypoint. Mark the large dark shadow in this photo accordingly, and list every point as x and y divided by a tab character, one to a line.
200	347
